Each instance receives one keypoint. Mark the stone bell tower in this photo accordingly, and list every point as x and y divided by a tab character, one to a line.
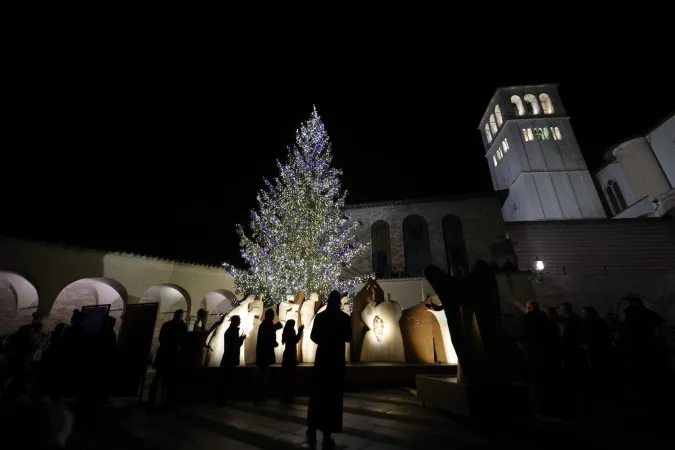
531	150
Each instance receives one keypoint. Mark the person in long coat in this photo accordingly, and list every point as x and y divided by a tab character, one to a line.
171	340
332	330
231	355
290	359
264	351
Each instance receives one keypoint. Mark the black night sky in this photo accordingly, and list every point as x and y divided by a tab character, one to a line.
168	167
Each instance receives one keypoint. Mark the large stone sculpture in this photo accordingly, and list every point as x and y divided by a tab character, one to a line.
307	313
471	305
383	340
434	306
482	388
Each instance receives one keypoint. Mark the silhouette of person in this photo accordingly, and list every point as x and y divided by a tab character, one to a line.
539	340
104	356
575	359
231	355
196	340
290	359
75	354
171	338
52	364
598	343
19	352
332	330
552	314
264	351
641	350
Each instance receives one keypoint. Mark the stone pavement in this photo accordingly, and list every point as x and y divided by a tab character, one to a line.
384	420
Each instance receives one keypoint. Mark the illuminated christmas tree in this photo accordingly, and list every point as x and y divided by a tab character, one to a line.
300	237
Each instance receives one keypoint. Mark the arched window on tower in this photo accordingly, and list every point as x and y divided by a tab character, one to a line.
455	246
493	125
498	115
381	249
416	245
531	104
517	104
488	135
617	194
546	103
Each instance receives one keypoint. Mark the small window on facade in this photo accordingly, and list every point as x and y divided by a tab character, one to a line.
539	134
517	104
531	104
617	194
493	124
530	135
555	138
547	135
612	200
498	115
499	154
546	103
506	145
556	133
494	160
525	136
488	135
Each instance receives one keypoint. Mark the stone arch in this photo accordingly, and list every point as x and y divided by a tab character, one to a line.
493	125
18	300
498	115
488	134
381	242
170	297
517	105
88	292
455	244
218	302
531	104
416	245
546	103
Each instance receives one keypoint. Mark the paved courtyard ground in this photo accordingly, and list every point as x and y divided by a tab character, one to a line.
385	420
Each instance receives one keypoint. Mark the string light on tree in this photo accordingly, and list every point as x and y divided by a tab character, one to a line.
300	237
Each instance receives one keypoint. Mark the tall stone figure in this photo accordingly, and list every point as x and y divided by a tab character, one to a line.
472	307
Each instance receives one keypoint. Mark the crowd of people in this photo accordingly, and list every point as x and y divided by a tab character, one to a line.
38	370
332	330
570	361
576	362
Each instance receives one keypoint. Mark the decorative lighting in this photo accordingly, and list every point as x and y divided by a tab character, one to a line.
539	265
300	238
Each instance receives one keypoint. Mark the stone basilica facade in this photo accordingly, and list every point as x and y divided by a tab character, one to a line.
600	236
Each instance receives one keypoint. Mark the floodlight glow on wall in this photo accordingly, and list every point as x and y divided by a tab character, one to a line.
539	269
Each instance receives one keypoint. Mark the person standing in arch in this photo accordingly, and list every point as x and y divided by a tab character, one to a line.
171	339
332	330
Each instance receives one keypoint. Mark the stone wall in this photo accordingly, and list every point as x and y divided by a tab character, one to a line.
68	278
597	262
480	215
